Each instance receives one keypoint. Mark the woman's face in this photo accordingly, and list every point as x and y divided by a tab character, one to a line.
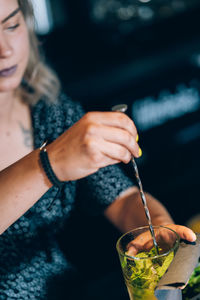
14	45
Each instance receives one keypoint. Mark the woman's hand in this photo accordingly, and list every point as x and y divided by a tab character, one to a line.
97	140
164	238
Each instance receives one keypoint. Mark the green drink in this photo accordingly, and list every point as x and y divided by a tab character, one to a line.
141	265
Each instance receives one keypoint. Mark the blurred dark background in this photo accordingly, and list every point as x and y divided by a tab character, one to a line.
145	53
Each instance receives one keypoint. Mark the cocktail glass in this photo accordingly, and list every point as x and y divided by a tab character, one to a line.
142	266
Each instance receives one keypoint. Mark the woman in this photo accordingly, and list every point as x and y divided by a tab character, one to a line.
81	150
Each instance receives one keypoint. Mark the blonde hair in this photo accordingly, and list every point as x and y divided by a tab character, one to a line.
39	80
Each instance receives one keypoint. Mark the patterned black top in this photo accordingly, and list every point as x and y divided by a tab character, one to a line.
29	254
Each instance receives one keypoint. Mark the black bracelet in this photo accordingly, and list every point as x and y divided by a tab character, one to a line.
44	159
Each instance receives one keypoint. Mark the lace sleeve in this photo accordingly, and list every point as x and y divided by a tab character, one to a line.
99	190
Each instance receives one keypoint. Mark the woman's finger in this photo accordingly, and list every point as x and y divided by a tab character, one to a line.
115	151
118	136
184	232
114	119
142	242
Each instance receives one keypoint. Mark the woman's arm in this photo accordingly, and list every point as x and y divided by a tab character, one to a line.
21	185
97	140
127	212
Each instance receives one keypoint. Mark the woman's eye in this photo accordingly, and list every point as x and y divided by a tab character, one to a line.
11	28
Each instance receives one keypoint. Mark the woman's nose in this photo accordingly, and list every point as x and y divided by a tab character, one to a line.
5	48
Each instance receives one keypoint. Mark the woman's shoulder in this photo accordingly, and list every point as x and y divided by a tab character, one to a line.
63	105
53	118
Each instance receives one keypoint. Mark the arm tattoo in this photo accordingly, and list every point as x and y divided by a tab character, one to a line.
28	135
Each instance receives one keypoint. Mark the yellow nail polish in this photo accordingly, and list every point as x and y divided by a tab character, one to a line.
137	138
140	152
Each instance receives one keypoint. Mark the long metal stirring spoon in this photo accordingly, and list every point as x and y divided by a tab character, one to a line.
123	108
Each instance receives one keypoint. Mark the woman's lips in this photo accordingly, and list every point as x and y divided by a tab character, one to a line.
8	72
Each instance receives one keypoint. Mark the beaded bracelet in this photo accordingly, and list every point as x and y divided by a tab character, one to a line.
44	159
